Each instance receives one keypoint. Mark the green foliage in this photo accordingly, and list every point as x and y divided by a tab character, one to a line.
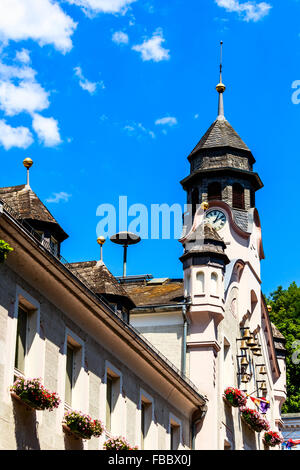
4	250
286	316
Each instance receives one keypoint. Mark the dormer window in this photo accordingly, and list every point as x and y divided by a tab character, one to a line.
54	246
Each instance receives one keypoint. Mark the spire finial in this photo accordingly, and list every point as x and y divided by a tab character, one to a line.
101	240
221	60
221	87
28	164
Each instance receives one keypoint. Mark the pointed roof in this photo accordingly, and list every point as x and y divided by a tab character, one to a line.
27	206
220	134
205	240
100	279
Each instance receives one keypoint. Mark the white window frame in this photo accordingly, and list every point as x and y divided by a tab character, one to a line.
80	391
34	355
173	420
150	441
118	423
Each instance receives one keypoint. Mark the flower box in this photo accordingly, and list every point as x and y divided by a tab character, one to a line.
235	397
24	401
118	443
75	433
82	425
254	420
272	439
32	393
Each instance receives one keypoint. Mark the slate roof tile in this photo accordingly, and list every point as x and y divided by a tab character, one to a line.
220	134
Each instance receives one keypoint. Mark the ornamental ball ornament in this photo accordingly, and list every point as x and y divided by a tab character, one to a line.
27	163
204	206
101	240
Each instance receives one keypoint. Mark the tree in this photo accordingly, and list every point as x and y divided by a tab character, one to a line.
286	317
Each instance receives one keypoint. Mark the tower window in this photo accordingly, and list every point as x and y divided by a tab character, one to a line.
214	284
200	282
238	196
214	192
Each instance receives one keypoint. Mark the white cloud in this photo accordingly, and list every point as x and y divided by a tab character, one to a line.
57	197
20	92
47	130
8	72
85	84
120	38
138	130
23	56
102	6
28	96
40	20
151	49
20	137
166	121
250	11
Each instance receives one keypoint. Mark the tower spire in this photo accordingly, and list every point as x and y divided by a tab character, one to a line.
221	88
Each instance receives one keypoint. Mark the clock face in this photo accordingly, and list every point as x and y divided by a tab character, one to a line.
216	218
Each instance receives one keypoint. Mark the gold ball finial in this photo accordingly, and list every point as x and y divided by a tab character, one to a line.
220	87
204	206
101	240
269	308
27	163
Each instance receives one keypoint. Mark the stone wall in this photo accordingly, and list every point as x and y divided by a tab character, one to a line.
21	428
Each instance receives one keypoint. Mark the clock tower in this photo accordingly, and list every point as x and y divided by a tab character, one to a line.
221	264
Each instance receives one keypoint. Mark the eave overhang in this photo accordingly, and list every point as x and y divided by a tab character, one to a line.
224	171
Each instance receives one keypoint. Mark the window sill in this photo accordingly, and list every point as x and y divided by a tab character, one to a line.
108	434
18	374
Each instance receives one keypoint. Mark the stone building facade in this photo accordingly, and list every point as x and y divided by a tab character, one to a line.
149	357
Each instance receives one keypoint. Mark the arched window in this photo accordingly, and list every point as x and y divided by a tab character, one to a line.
195	201
200	282
238	196
214	284
214	192
187	289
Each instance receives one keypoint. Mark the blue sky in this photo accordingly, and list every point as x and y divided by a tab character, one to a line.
108	97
